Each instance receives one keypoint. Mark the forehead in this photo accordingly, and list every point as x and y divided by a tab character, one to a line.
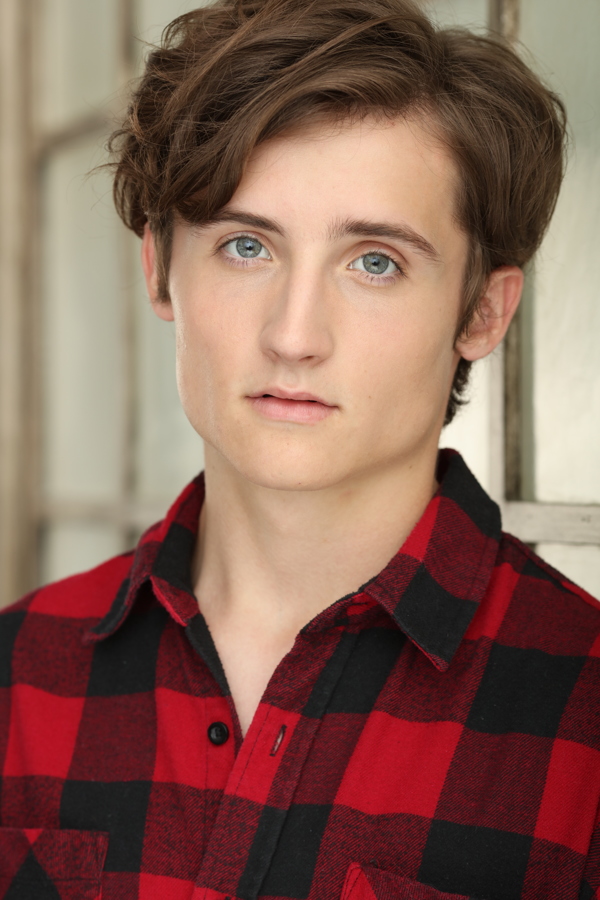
374	168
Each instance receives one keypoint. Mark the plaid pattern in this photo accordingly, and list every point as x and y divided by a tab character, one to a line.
434	735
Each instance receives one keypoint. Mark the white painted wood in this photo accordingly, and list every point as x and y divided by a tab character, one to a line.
552	522
564	43
15	458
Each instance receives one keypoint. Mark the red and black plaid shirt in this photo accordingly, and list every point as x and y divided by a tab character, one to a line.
435	734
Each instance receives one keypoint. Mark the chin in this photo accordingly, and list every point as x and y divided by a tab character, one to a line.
287	468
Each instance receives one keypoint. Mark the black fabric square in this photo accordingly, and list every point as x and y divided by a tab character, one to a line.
173	562
116	612
532	570
291	871
476	861
459	485
31	883
523	690
125	662
118	808
320	696
432	616
261	852
367	670
10	623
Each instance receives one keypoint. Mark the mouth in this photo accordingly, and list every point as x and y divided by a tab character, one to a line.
298	397
291	406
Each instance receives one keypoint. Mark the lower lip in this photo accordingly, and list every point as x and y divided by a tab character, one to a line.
302	411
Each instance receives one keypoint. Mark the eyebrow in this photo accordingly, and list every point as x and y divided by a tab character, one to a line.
242	218
355	227
403	233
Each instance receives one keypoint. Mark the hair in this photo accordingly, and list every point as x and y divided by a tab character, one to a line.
236	73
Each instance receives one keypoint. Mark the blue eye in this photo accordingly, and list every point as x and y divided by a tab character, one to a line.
247	247
375	264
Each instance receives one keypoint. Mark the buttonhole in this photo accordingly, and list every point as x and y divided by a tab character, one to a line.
279	739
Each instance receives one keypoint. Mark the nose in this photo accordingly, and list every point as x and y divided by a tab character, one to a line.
297	329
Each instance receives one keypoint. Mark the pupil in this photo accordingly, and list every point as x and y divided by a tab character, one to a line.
375	263
248	247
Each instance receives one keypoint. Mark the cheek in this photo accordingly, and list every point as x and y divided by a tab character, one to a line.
409	370
209	351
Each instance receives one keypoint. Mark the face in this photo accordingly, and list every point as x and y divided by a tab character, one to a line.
315	317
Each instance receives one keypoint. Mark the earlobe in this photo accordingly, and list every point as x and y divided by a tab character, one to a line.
162	308
498	305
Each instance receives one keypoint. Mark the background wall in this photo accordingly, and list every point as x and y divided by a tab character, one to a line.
97	445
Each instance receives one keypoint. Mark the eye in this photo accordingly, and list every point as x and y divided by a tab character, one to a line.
247	247
375	264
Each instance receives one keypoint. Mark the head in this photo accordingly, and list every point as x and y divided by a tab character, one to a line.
240	82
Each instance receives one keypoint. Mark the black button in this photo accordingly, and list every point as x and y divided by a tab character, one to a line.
218	733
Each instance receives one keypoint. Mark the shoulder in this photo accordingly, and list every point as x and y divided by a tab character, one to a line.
529	604
66	607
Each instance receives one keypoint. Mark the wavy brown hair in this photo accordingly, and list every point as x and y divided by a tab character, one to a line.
231	75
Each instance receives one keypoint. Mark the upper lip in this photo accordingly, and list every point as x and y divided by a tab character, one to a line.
290	395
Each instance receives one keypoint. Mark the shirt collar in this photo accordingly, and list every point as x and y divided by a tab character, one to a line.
431	587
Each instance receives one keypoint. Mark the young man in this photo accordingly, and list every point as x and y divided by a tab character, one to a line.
269	698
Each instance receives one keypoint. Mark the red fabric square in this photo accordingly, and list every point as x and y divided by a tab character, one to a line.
595	650
333	745
158	887
86	595
398	766
417	542
42	733
202	893
369	883
356	886
184	754
568	809
262	752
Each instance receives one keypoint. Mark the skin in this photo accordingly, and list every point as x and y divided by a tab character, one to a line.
300	512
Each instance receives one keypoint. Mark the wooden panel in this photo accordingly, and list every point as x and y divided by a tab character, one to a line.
17	322
552	522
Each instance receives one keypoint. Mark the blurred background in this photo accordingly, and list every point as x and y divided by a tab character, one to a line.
93	443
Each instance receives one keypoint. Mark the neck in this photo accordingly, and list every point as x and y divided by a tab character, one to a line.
279	558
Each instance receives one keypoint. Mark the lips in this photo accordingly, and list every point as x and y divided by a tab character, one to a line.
300	396
298	407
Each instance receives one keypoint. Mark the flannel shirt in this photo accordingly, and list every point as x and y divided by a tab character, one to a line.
433	735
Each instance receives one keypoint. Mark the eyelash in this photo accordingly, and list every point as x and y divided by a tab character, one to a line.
372	279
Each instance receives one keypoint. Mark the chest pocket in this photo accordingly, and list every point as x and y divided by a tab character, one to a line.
368	883
45	864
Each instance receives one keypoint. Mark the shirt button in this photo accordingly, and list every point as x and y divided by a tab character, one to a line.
218	733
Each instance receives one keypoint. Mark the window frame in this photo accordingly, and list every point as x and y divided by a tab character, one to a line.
24	513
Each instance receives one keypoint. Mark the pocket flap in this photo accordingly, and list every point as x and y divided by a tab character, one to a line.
40	863
369	883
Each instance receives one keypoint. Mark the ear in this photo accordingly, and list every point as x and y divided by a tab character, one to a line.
498	305
162	308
